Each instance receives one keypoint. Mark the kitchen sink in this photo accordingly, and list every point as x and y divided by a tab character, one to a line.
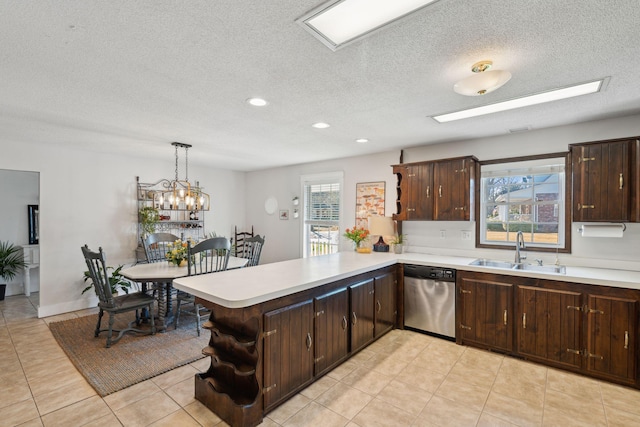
556	269
492	263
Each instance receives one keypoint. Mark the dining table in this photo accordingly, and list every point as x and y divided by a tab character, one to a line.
162	274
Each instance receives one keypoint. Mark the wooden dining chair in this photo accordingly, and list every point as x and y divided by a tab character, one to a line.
208	256
252	250
96	262
239	239
156	246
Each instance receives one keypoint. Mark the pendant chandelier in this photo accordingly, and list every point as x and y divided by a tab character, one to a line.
181	195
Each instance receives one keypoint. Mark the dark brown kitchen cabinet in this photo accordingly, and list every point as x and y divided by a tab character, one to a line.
362	321
415	191
606	180
385	303
549	325
454	183
436	190
485	311
331	330
288	353
611	337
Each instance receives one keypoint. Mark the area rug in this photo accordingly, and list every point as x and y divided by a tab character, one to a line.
134	358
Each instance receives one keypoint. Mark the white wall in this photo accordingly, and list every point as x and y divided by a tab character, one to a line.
17	190
283	237
89	197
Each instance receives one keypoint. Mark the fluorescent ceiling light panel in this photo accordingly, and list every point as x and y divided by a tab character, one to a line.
540	98
337	23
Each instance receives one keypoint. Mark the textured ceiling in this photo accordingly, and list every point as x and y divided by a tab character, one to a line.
129	77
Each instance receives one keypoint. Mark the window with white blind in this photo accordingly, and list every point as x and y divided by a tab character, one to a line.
322	209
527	196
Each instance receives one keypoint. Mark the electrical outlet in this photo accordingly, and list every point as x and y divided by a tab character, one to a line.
466	235
443	234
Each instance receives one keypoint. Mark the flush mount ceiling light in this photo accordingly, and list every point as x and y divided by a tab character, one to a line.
484	80
337	23
257	102
321	125
540	98
362	140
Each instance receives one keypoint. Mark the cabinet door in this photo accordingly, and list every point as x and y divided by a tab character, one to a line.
611	337
486	312
420	187
361	314
331	330
385	303
288	355
602	181
453	181
549	325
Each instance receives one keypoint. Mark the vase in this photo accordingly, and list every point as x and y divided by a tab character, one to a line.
362	247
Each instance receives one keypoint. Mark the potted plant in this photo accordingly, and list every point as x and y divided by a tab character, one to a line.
149	217
11	261
116	281
398	243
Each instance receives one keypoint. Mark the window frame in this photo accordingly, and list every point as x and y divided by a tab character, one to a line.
567	203
320	179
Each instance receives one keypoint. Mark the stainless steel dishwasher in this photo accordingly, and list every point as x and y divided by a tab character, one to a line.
430	299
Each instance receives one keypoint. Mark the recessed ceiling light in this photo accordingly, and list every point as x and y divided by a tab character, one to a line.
321	125
525	101
340	22
257	102
362	140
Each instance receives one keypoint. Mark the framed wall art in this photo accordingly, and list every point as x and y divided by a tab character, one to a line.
369	201
284	214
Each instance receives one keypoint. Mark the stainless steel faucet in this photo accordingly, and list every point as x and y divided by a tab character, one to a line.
520	246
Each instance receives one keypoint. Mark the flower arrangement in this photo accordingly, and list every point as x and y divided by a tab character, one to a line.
177	252
358	235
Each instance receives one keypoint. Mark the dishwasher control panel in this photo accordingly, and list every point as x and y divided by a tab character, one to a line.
426	272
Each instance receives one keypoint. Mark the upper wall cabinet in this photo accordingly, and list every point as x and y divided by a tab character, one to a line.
436	190
606	180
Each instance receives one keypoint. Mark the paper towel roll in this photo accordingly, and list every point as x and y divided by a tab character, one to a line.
602	230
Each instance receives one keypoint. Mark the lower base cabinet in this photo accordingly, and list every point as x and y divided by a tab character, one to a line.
588	329
274	349
288	355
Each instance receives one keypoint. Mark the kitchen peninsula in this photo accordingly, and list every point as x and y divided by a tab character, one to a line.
277	327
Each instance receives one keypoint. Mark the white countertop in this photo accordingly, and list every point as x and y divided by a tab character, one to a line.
249	286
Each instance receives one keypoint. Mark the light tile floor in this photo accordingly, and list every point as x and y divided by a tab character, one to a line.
403	379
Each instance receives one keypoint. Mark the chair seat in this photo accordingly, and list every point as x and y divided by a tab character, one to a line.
128	302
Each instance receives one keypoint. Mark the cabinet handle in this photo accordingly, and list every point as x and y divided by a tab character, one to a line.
464	291
379	306
319	313
593	310
573	307
428	191
465	327
461	208
463	170
354	318
411	210
309	341
411	174
569	350
439	190
586	159
504	317
344	323
585	206
626	340
524	320
621	181
595	356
